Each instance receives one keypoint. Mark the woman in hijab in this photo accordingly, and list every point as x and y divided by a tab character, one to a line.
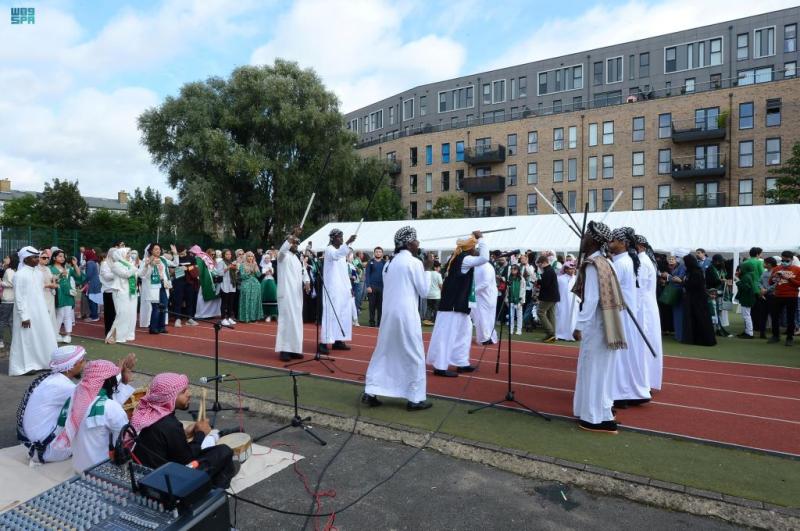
269	289
250	308
697	326
123	292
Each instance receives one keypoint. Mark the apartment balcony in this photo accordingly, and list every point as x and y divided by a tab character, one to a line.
395	167
711	200
487	184
485	212
688	167
485	154
714	128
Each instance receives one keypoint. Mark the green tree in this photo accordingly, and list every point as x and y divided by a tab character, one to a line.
146	208
21	211
787	189
245	153
61	205
446	206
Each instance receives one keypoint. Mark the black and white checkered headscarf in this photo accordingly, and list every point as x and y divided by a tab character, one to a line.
599	232
404	236
648	250
628	236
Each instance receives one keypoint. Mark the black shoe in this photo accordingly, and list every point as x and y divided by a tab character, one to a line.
372	323
603	427
746	336
285	356
742	335
323	348
154	332
163	331
763	336
638	401
340	345
488	342
468	368
789	341
621	404
774	339
370	400
295	355
444	372
418	406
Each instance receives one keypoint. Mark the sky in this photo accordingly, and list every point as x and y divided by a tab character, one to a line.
73	83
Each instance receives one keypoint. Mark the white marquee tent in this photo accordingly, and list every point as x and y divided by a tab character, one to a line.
728	230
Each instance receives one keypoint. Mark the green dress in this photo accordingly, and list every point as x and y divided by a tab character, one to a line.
249	297
269	296
63	296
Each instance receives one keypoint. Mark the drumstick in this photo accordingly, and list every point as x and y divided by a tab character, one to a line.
201	410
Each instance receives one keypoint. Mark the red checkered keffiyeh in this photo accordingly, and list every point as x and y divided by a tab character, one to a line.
159	400
95	373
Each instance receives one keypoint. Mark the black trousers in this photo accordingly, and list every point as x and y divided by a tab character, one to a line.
217	462
109	312
760	320
778	305
184	298
375	306
228	306
760	311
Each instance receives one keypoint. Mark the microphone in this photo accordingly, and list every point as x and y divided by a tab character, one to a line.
206	379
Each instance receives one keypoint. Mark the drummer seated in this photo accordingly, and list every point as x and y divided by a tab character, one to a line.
162	437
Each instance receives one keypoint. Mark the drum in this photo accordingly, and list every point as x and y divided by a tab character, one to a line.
133	401
240	443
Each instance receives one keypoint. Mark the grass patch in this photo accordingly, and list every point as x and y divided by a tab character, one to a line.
735	472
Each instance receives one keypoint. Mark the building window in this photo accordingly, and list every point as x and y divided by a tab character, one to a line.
459	180
764	42
572	201
512	205
460	151
412	154
511	144
665	125
773	151
532	201
670	64
428	183
408	109
558	171
770	185
511	177
631	67
754	75
558	138
608	166
608	198
790	69
572	169
598	73
533	173
592	166
689	85
790	38
523	87
592	134
664	161
445	181
412	183
499	91
413	209
637	198
706	119
706	157
614	70
428	205
428	155
746	115
487	93
773	112
445	153
716	52
442	101
514	92
533	142
745	192
593	200
742	46
573	137
423	105
664	191
638	129
577	103
746	154
556	105
644	64
374	122
392	117
542	83
608	133
637	164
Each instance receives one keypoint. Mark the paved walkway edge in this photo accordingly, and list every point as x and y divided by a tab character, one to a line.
671	496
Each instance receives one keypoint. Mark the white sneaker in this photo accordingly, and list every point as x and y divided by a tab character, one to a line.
226	322
191	322
269	319
178	323
61	338
2	345
67	339
232	321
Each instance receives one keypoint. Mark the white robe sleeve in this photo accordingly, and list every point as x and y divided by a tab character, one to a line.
123	393
338	254
418	277
22	295
473	261
591	298
116	418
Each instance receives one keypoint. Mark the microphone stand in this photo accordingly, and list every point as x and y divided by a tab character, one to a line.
217	324
510	395
297	421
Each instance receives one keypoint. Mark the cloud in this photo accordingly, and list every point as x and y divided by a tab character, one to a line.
603	26
358	49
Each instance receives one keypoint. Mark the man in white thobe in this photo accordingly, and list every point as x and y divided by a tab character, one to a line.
292	280
648	316
631	378
33	338
567	306
452	333
484	312
601	332
337	295
397	367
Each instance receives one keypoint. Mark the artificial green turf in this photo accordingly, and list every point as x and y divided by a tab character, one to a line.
735	472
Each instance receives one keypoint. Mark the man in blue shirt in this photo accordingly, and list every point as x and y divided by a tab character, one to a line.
373	280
